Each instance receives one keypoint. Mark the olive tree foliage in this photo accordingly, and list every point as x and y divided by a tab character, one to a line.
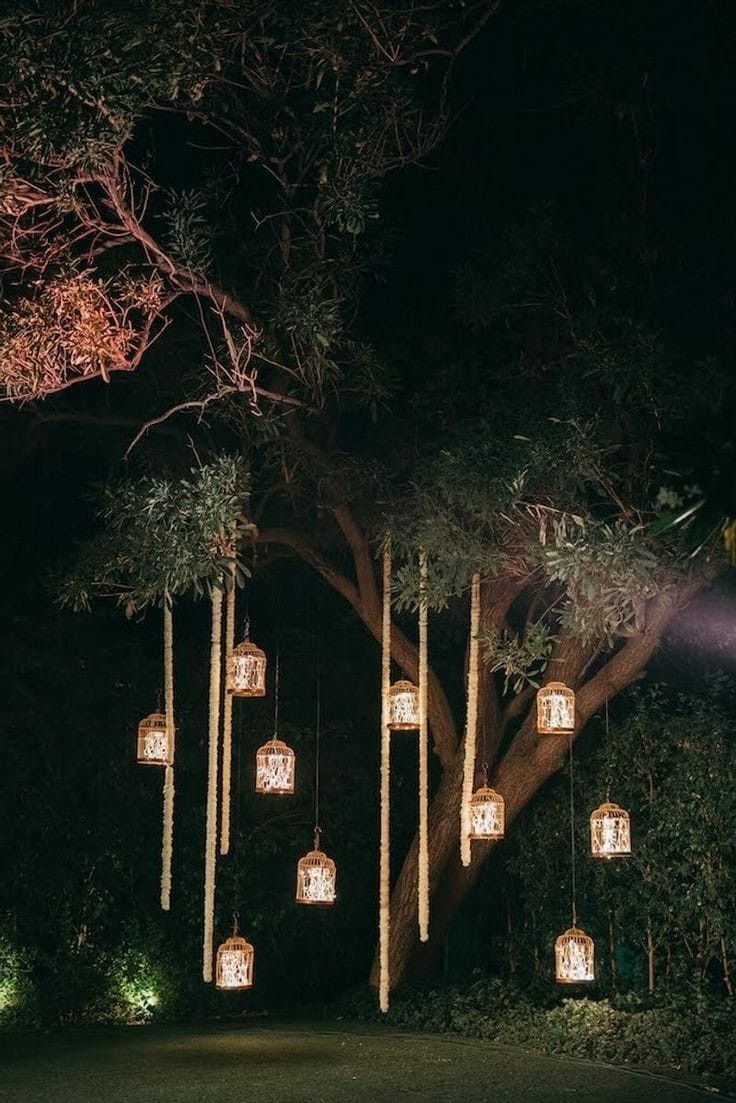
221	157
160	537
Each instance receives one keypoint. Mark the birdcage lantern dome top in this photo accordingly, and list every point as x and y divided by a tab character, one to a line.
403	706
487	814
610	832
574	957
275	767
555	709
155	741
246	670
234	964
316	877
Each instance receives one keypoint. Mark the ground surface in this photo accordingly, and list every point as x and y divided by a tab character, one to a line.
252	1063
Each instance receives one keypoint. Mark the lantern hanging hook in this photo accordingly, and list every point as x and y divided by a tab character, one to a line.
484	773
236	922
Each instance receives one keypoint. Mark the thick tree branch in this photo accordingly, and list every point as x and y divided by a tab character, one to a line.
403	651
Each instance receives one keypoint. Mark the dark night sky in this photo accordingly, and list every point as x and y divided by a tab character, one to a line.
609	114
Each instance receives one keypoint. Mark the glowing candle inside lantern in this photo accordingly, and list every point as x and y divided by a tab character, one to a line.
403	707
275	768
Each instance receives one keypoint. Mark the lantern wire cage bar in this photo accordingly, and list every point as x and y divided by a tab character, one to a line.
246	668
403	706
155	743
574	957
234	961
555	709
316	876
275	761
487	812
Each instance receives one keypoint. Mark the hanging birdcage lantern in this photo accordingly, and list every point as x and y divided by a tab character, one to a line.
234	962
403	706
610	832
246	671
555	709
316	875
487	814
275	767
574	957
155	743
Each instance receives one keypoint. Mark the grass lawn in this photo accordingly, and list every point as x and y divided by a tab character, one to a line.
253	1063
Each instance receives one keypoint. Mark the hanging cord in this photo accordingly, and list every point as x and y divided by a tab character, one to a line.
317	828
237	805
236	924
572	838
276	693
608	756
484	767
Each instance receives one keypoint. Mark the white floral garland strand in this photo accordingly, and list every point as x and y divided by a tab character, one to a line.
167	843
471	728
423	875
227	725
210	854
384	914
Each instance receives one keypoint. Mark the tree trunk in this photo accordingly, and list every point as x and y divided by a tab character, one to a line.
528	763
650	955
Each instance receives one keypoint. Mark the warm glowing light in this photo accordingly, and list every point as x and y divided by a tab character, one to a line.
610	832
487	814
155	743
234	964
403	706
246	671
574	957
275	768
315	877
555	709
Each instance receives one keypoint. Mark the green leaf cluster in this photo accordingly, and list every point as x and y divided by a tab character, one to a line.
165	536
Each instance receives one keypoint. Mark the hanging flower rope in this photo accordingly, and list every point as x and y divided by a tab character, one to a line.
384	914
423	873
227	722
572	838
471	724
168	810
211	834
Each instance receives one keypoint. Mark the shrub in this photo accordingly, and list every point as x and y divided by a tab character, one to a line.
696	1033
